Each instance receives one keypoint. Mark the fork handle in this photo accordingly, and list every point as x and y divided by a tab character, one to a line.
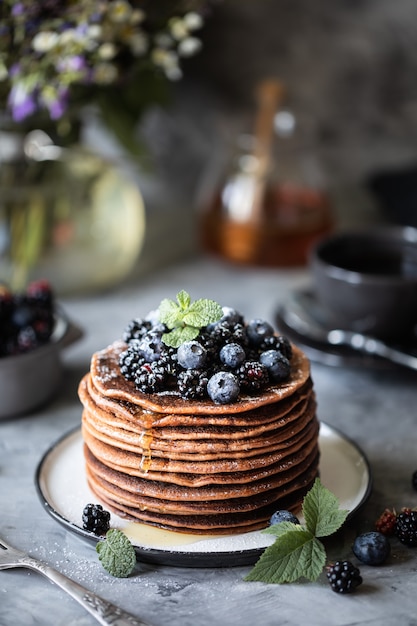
105	612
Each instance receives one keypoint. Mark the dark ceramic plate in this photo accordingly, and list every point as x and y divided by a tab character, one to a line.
326	353
63	490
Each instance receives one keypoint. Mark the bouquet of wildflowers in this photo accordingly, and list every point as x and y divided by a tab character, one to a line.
59	55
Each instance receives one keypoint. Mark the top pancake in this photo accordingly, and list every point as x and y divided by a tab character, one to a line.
110	382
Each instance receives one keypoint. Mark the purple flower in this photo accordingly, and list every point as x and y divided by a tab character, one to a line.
58	105
21	102
75	63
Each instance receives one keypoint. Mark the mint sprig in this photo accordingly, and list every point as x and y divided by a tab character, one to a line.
297	552
184	318
117	554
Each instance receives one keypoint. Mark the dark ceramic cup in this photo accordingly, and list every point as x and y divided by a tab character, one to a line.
367	280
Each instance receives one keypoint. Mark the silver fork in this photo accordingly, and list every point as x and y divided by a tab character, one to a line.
105	612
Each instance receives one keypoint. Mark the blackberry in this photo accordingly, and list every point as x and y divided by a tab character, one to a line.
406	527
386	522
40	292
232	316
26	339
277	342
129	362
343	577
96	519
150	377
414	480
221	333
253	376
136	329
169	361
192	383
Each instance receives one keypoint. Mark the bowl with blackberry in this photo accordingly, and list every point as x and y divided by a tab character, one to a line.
33	333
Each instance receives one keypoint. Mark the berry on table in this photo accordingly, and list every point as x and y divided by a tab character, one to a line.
283	516
386	522
96	519
372	548
343	577
406	527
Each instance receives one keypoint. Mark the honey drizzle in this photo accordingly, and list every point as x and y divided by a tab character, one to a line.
145	441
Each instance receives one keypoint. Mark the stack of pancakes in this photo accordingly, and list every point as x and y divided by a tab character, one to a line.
194	466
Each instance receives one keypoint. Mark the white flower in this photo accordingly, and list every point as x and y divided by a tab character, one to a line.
120	11
137	16
168	60
107	51
178	28
189	46
94	31
193	21
44	41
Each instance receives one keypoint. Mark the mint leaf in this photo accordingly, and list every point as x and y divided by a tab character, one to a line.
185	318
169	313
296	554
203	312
321	511
179	335
184	300
117	554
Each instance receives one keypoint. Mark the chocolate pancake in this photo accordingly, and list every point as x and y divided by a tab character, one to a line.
193	465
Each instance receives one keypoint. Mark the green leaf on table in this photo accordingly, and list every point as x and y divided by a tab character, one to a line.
185	318
321	511
117	554
296	554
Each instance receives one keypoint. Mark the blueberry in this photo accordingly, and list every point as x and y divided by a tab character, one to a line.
150	346
372	548
277	364
232	355
192	355
283	516
223	387
258	330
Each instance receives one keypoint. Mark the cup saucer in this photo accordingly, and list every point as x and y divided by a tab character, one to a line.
321	351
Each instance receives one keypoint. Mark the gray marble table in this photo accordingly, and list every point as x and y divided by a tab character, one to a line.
376	408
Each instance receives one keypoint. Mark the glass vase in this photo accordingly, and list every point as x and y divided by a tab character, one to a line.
67	215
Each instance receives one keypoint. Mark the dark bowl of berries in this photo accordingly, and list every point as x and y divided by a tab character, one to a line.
33	333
